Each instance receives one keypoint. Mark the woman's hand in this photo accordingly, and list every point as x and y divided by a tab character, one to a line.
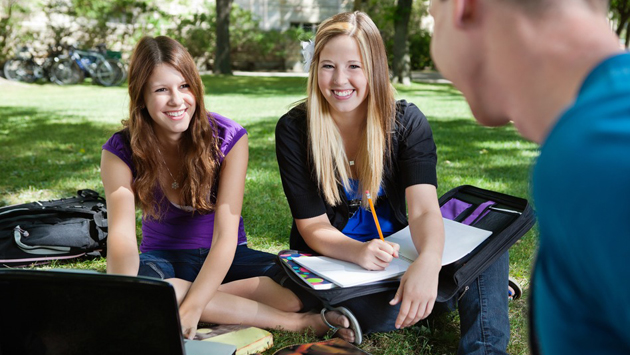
189	317
376	254
417	290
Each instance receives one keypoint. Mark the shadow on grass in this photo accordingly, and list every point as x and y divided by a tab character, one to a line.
470	151
265	208
42	149
418	88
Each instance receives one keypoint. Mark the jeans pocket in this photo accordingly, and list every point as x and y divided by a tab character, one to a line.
150	269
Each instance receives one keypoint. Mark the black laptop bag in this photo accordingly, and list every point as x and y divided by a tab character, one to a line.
38	232
507	217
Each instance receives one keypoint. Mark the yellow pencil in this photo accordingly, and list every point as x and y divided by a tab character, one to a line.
378	226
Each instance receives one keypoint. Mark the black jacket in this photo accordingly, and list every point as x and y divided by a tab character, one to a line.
413	161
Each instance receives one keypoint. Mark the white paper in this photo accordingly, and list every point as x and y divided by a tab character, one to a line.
347	274
459	241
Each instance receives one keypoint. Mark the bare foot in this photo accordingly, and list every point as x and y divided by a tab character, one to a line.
337	320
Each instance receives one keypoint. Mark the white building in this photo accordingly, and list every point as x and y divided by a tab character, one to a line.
283	14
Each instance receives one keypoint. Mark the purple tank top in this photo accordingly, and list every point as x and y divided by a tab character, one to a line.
180	229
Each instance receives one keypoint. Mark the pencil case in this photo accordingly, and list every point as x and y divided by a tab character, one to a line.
507	217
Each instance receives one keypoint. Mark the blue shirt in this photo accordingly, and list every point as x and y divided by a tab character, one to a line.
361	225
581	191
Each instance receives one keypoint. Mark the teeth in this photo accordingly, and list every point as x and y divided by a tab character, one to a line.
176	113
343	93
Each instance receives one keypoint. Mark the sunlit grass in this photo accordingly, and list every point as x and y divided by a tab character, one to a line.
51	138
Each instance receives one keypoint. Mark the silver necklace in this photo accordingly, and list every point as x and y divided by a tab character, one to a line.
175	184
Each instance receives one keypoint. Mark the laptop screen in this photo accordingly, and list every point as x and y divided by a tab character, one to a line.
57	312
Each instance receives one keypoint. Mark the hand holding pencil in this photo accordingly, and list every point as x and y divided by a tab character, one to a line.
377	254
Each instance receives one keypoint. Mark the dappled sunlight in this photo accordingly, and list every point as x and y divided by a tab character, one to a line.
516	144
48	151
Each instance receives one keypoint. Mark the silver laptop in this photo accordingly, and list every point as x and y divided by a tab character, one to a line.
79	312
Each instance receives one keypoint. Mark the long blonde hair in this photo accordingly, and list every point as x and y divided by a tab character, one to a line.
326	145
199	143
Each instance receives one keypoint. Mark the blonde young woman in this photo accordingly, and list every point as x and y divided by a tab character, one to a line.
351	135
185	169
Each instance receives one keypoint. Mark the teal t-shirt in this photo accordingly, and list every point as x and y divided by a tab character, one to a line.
581	188
361	225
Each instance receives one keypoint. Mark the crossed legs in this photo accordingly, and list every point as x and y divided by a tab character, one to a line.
261	302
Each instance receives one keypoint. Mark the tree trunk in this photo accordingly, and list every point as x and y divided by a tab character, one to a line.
401	63
622	8
222	62
628	36
623	21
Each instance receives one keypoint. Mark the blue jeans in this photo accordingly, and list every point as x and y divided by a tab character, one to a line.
483	311
186	264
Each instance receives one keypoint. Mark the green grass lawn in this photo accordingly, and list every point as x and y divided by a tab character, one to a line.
51	138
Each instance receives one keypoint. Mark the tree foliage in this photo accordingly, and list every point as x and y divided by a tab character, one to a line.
121	19
120	23
115	23
11	13
383	13
250	47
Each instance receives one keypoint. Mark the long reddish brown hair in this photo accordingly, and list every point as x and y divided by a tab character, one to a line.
199	143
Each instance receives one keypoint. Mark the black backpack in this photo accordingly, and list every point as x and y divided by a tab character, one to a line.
38	232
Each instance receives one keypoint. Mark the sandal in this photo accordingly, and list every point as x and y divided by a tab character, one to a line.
354	324
514	289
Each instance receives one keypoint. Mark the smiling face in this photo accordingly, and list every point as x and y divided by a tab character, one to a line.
341	78
169	101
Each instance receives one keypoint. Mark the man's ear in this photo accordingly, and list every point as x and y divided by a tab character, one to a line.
466	12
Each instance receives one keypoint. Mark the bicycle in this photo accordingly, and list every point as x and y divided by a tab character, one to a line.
23	67
73	68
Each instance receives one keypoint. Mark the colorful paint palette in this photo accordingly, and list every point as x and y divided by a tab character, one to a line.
306	275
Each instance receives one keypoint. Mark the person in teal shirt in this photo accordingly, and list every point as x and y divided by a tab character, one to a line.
555	69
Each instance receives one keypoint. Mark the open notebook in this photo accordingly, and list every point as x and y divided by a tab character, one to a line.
460	239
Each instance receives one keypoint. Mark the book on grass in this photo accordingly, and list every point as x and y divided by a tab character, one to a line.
306	275
335	346
459	240
248	340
